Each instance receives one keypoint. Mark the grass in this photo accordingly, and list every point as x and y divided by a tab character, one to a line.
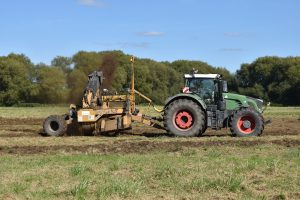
262	171
79	191
31	112
283	112
219	173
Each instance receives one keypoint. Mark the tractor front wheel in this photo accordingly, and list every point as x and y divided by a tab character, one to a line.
246	123
184	118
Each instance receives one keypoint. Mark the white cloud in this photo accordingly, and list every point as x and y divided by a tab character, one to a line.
92	3
150	33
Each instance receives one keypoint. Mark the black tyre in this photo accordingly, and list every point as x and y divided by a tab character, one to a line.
246	123
203	130
55	125
184	118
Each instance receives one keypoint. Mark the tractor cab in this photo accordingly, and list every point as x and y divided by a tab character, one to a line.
209	87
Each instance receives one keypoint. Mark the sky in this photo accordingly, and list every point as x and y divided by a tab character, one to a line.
223	33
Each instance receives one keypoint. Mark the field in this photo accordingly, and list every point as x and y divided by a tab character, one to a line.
146	163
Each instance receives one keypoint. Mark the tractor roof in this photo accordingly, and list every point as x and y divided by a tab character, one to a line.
202	76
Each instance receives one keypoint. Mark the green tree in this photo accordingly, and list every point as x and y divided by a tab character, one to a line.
16	76
52	85
64	63
77	81
272	78
87	62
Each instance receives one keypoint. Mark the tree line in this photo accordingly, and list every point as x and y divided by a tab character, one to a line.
63	81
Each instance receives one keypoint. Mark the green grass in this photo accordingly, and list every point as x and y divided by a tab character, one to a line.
283	112
31	112
218	173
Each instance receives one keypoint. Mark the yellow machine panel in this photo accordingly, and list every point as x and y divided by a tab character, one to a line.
86	115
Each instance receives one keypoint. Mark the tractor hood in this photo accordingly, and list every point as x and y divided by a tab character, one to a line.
234	100
234	96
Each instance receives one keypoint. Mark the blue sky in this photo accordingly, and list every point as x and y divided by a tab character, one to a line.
220	32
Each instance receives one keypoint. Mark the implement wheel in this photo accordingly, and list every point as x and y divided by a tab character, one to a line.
184	118
55	125
246	123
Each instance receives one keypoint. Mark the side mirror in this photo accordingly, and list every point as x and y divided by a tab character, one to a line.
224	86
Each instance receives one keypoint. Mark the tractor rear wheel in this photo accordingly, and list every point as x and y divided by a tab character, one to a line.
246	122
184	118
55	125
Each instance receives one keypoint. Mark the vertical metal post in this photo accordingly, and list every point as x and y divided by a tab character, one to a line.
132	97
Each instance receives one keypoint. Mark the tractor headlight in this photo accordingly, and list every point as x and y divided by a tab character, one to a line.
259	102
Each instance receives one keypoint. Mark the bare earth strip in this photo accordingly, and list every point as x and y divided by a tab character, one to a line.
127	146
21	136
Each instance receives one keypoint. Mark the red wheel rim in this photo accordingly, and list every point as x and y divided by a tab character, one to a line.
183	120
246	124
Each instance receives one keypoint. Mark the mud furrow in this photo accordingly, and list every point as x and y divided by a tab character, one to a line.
124	147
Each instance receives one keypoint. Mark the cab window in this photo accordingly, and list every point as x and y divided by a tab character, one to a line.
205	88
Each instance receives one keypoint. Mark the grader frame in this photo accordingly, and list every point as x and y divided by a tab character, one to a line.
101	112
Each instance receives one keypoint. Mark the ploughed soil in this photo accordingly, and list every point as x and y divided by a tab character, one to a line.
140	146
141	139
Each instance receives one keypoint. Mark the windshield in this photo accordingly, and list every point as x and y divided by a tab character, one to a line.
205	88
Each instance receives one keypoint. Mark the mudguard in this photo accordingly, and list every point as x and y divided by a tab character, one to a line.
190	96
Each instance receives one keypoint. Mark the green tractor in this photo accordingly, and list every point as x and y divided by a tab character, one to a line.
205	102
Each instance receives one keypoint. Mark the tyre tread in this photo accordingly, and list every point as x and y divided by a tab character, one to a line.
176	105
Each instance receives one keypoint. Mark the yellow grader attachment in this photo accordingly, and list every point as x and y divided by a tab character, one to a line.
100	112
